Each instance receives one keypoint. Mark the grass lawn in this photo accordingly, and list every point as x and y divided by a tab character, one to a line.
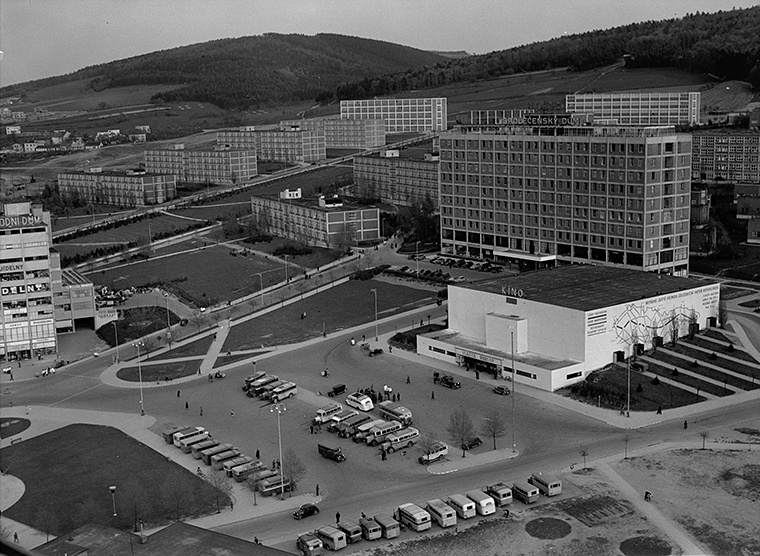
342	307
718	349
227	359
665	369
197	277
136	323
319	256
408	340
67	472
699	356
160	371
198	347
12	425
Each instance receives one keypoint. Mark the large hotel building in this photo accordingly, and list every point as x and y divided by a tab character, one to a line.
400	177
276	144
341	133
731	155
401	115
122	189
218	166
589	194
645	109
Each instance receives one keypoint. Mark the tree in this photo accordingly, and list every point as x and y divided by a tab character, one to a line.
427	443
46	521
149	344
176	492
293	468
584	453
222	486
198	320
722	313
494	425
704	434
253	483
133	496
674	326
460	428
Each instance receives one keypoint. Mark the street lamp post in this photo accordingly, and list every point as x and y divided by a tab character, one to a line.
417	257
139	376
113	498
116	338
512	343
261	291
628	409
374	291
280	409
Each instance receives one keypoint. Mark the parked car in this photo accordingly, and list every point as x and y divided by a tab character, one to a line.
459	279
305	511
502	390
449	382
472	443
337	390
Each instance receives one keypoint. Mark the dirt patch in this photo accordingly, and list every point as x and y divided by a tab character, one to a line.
548	528
645	546
595	509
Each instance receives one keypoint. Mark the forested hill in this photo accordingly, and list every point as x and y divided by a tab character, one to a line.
245	72
726	44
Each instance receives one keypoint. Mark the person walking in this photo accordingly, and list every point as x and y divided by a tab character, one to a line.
337	517
15	537
659	410
178	393
432	395
685	424
317	489
232	413
187	405
201	411
408	379
258	455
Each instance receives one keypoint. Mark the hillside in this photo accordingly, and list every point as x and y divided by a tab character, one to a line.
249	72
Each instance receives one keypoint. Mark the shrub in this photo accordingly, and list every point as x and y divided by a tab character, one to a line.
713	356
731	347
656	381
695	363
639	388
674	372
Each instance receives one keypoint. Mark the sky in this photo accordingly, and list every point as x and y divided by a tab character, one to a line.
42	38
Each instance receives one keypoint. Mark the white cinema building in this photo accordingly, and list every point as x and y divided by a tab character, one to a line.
560	324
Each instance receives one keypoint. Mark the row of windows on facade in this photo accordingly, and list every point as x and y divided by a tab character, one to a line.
634	177
652	149
32	332
24	259
517	188
476	164
569	212
636	229
565	203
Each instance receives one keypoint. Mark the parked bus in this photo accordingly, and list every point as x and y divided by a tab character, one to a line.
393	411
186	444
524	492
230	464
370	529
196	449
266	391
352	530
258	387
388	526
363	429
309	545
347	427
484	504
463	506
413	517
324	414
332	538
440	512
546	484
501	493
169	433
218	449
273	485
263	475
251	379
339	417
360	401
399	440
241	472
377	435
287	390
182	435
217	460
337	425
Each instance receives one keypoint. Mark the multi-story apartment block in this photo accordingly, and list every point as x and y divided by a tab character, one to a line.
73	298
731	155
219	166
123	189
280	145
341	133
402	178
401	115
645	109
543	195
325	222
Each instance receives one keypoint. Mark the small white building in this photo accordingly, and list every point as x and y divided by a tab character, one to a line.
561	324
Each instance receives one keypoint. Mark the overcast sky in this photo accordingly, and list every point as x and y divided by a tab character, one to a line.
41	38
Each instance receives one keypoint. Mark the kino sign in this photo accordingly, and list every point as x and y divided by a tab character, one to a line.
512	292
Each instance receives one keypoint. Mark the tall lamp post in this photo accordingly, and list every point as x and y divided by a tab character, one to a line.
512	343
417	257
628	409
280	409
139	375
113	498
374	291
116	337
261	291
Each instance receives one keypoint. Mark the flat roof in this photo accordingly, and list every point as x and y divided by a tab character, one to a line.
312	202
414	152
587	287
70	277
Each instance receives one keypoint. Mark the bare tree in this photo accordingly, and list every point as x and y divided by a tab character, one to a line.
293	468
704	434
460	428
427	443
494	425
46	521
198	320
722	313
133	496
176	492
149	344
221	484
584	453
253	483
674	326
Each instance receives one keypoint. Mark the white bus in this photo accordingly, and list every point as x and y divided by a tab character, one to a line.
413	517
546	484
363	429
484	504
440	512
177	437
324	414
360	401
463	506
524	492
393	411
404	438
377	434
332	538
273	485
186	444
287	390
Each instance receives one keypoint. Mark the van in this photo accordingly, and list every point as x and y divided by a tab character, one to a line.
218	449
484	504
352	530
309	545
287	390
370	529
264	474
332	538
413	517
340	417
363	430
186	444
335	454
349	426
228	465
524	492
273	485
546	484
241	472
377	434
258	387
463	506
251	379
405	438
266	391
325	413
389	526
360	401
177	437
501	493
437	451
440	512
168	434
217	460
